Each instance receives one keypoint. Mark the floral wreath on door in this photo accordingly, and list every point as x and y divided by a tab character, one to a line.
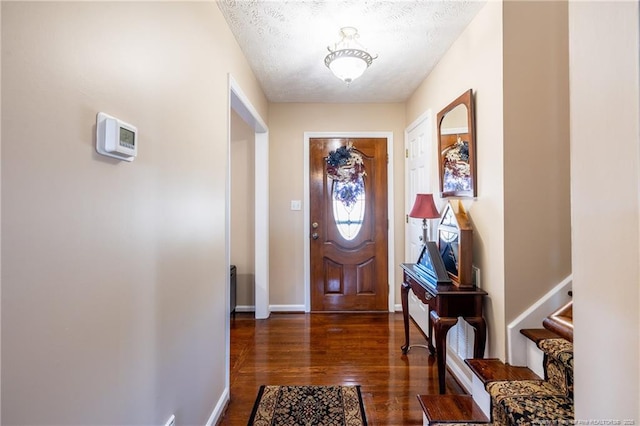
346	168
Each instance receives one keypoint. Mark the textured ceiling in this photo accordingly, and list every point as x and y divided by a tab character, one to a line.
285	43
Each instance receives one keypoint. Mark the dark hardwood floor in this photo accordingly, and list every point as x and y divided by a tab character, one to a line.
333	349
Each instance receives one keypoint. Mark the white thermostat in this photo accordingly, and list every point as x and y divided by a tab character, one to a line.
115	138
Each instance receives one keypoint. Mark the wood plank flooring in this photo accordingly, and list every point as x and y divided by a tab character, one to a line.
333	349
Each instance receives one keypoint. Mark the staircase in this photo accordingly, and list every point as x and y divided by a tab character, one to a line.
510	395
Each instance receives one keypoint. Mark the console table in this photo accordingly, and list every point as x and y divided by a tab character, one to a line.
446	303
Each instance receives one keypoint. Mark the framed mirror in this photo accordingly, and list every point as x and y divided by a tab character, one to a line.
457	148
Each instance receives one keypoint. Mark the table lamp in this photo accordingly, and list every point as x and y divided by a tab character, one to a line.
424	208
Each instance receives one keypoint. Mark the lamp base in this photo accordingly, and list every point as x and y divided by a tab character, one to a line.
425	231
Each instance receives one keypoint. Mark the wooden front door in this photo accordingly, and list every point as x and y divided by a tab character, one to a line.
349	226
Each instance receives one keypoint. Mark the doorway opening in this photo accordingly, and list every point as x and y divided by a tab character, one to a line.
240	105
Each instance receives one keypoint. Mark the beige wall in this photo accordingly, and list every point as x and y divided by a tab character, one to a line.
243	209
287	124
537	210
605	172
520	82
113	273
0	222
475	61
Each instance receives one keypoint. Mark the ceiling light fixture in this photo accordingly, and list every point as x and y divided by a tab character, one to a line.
348	59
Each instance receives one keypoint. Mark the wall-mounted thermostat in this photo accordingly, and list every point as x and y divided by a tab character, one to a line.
115	138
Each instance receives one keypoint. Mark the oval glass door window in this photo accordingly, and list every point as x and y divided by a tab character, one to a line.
348	207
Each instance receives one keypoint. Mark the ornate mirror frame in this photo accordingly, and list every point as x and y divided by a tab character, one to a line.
457	148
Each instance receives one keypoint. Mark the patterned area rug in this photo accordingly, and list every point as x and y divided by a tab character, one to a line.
308	405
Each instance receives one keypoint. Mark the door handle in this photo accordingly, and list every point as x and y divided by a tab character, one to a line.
315	235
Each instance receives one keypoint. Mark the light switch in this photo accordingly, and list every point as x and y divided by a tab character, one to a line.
296	205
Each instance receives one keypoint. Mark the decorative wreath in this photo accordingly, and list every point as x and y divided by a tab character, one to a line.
346	168
345	164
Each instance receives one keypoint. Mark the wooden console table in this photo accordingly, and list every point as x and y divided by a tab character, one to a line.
446	303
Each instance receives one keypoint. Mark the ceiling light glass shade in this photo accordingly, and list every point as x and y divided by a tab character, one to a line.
346	65
348	59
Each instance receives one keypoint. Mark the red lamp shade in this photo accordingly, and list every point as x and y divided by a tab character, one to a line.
424	207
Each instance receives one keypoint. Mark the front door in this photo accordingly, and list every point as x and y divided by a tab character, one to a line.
349	226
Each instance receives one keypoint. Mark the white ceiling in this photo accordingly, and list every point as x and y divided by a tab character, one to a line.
286	41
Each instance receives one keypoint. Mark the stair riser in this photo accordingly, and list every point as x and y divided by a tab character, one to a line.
535	358
480	396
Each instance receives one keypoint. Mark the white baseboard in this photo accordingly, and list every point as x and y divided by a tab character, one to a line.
286	308
218	411
460	370
532	318
272	308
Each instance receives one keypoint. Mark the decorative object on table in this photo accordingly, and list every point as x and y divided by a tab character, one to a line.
455	242
424	208
457	148
430	266
348	59
308	405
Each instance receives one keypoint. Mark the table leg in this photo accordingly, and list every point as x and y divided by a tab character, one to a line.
480	327
432	350
404	297
442	327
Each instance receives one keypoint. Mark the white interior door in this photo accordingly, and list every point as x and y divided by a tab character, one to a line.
417	180
418	146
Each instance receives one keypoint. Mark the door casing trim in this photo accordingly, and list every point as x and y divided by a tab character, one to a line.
241	104
390	204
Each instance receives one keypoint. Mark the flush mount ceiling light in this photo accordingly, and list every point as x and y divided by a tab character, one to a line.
348	59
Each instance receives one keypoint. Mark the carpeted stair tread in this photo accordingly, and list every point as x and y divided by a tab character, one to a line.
492	369
526	402
535	409
538	334
451	409
560	349
558	364
526	388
